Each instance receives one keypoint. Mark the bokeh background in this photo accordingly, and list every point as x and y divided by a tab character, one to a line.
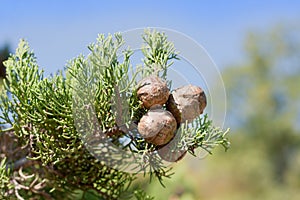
255	44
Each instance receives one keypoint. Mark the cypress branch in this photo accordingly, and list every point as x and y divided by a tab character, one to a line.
56	124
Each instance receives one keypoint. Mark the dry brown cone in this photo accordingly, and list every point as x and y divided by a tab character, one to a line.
174	151
153	91
157	126
186	103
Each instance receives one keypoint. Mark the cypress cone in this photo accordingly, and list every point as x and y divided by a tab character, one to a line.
153	91
186	103
157	126
170	154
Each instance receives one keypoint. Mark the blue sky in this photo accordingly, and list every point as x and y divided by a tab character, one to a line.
60	30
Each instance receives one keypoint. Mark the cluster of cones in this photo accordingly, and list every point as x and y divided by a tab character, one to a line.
159	125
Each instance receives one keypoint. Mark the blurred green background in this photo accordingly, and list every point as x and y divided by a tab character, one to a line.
255	44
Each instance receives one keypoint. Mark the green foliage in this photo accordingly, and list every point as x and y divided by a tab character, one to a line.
204	135
141	195
41	112
4	178
46	117
158	51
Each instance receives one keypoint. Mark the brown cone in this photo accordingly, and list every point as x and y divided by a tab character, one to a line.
171	155
157	126
186	103
152	91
